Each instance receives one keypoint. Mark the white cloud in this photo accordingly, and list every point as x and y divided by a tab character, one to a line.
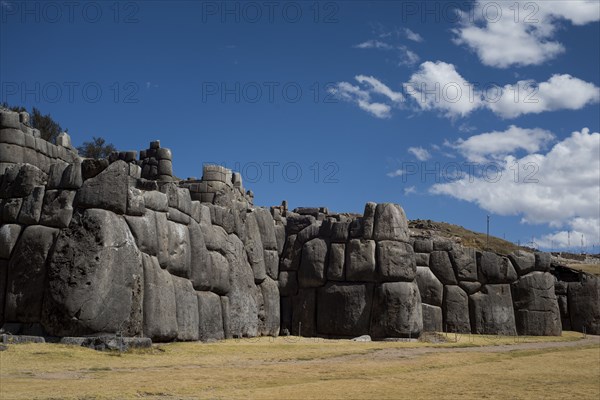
362	96
410	35
410	190
498	145
374	44
439	86
559	188
560	92
408	57
507	33
396	173
581	235
421	153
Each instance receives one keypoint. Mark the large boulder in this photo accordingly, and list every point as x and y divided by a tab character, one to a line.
441	266
107	190
535	304
266	227
270	322
397	310
210	316
313	263
456	310
390	223
304	307
186	304
360	261
57	209
26	277
160	302
396	261
491	311
254	248
9	233
523	261
464	262
584	305
203	273
288	283
179	253
243	309
432	318
430	288
494	269
337	260
94	278
344	309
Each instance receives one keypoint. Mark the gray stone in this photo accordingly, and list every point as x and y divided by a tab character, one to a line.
339	232
542	261
266	228
179	257
9	233
12	136
304	322
337	260
9	119
280	236
3	278
135	202
210	316
396	261
584	305
72	177
202	273
344	309
422	259
290	258
10	210
186	303
362	338
269	324
55	175
165	167
222	217
456	310
215	276
254	248
360	261
215	238
160	302
95	278
491	311
440	265
423	245
390	223
156	201
296	223
144	230
57	209
397	310
464	262
26	180
494	269
535	305
271	258
27	274
432	318
177	216
313	262
470	287
108	190
442	244
31	207
226	317
369	220
523	261
288	283
430	287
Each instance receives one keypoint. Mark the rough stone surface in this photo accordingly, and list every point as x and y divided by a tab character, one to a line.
186	304
210	316
493	268
314	261
396	261
432	318
440	265
430	288
360	261
89	288
456	310
390	223
160	303
464	262
337	260
304	305
535	304
107	190
57	209
491	311
523	261
269	325
27	274
9	233
344	309
288	283
397	310
31	208
422	259
584	305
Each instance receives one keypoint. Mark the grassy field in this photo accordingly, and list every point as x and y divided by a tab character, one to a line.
593	269
303	368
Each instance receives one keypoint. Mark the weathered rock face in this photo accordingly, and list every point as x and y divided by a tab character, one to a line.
87	282
94	247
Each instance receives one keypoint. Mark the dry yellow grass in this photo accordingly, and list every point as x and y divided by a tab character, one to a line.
294	368
593	269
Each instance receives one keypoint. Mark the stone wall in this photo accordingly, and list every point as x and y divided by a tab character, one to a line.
120	245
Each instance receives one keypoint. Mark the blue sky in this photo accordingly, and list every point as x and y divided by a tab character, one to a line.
406	102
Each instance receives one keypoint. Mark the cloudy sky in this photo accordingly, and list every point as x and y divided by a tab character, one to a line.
455	110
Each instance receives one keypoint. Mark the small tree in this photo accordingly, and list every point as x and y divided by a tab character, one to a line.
49	129
97	148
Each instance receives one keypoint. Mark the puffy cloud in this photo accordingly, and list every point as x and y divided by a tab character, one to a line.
560	92
362	96
559	188
498	145
421	153
439	86
507	33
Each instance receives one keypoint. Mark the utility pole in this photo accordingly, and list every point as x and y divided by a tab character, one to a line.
569	241
487	238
